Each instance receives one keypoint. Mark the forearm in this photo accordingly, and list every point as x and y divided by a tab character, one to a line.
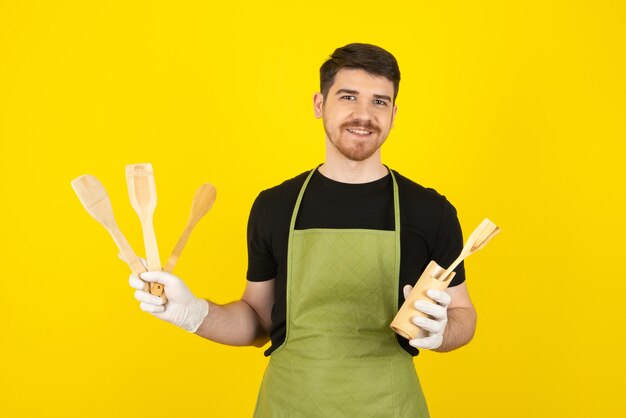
235	323
459	329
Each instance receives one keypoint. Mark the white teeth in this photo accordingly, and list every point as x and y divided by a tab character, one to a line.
359	131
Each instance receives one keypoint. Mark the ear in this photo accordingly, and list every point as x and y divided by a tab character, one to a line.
318	104
393	114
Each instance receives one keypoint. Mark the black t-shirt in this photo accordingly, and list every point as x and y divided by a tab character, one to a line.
429	230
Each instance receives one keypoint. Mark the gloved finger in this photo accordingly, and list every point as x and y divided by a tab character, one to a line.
135	282
428	343
432	309
406	290
148	307
428	324
162	277
143	296
439	296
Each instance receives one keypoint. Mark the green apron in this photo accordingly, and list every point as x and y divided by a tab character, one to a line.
340	358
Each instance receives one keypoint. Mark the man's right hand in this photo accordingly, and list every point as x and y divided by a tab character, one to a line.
182	309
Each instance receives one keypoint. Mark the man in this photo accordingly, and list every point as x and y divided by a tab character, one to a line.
332	253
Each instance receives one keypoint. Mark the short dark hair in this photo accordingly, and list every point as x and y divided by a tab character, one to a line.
370	58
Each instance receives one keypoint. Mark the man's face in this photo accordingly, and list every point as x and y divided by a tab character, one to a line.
358	112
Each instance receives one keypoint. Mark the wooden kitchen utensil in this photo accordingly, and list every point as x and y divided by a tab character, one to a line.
143	198
200	206
434	277
477	240
95	199
402	323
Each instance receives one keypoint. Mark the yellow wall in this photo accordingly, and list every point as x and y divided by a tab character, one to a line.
513	110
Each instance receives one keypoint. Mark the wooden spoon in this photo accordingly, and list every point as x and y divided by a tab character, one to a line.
477	240
143	198
202	203
95	199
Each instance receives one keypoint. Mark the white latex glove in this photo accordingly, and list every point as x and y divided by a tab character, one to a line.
182	309
436	324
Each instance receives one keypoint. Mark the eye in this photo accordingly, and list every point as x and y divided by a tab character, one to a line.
380	102
352	98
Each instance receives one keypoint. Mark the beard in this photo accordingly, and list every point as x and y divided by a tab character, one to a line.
356	149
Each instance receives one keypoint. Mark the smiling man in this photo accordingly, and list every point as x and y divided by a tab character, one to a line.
332	253
356	122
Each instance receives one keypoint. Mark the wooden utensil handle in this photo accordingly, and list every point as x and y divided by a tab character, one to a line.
152	253
180	245
129	255
135	264
157	289
150	242
171	263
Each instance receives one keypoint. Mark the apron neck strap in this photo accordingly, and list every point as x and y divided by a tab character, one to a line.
292	226
396	200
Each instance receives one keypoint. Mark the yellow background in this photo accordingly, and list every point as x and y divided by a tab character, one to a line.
514	111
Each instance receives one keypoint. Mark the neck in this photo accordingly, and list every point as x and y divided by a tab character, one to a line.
339	168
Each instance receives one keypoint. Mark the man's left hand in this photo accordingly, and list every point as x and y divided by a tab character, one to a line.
436	324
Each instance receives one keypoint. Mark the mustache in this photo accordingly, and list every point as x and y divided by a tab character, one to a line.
357	123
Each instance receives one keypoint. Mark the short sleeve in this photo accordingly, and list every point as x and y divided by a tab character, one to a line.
261	263
449	242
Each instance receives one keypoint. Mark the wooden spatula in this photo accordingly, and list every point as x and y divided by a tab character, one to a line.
95	199
143	198
202	203
477	240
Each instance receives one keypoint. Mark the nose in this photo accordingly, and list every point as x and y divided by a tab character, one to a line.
361	110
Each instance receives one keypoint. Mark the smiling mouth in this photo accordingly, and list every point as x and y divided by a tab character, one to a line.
358	131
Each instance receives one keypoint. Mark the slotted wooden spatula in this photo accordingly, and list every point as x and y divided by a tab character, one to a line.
477	240
95	199
143	198
202	203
